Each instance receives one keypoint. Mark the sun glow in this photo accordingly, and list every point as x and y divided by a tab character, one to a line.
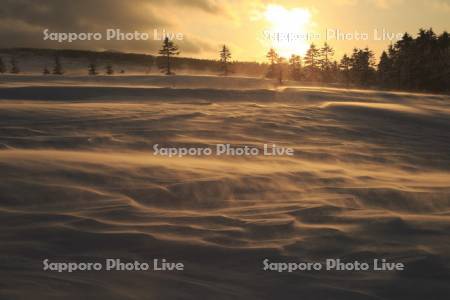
283	22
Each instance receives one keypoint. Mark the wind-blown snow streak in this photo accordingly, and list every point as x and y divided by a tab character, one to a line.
369	179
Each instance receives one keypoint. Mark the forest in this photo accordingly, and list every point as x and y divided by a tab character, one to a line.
420	63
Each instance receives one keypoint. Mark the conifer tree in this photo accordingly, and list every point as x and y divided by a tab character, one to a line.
2	66
362	63
168	49
272	56
280	63
312	62
443	59
225	56
295	66
384	70
344	67
333	71
326	53
421	63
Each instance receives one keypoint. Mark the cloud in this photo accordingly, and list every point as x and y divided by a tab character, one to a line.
23	21
82	14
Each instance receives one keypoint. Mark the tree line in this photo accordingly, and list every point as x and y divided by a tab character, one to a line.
421	63
14	67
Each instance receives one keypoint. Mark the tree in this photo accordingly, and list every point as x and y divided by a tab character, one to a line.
92	69
14	66
57	69
421	63
295	66
45	71
109	70
312	62
2	66
344	67
225	55
333	72
168	49
326	53
272	56
280	62
443	71
362	70
384	70
312	57
404	61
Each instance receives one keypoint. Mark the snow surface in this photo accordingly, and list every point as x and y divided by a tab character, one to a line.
369	179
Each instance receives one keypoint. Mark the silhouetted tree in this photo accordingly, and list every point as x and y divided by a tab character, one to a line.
403	61
421	63
280	63
2	66
14	66
344	67
333	72
225	56
295	67
362	70
168	49
272	56
312	62
57	69
385	70
326	53
109	70
443	58
92	69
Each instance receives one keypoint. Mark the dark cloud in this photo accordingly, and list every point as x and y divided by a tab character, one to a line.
23	21
82	14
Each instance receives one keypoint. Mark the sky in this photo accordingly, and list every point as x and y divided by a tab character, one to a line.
248	28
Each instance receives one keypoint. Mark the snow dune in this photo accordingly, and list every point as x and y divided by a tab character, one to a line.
369	179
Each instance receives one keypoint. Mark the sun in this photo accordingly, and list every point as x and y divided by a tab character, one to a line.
288	22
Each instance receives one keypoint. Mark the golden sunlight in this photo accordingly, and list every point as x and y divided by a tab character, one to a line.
286	25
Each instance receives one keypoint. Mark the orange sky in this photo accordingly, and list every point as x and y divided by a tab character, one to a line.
206	24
